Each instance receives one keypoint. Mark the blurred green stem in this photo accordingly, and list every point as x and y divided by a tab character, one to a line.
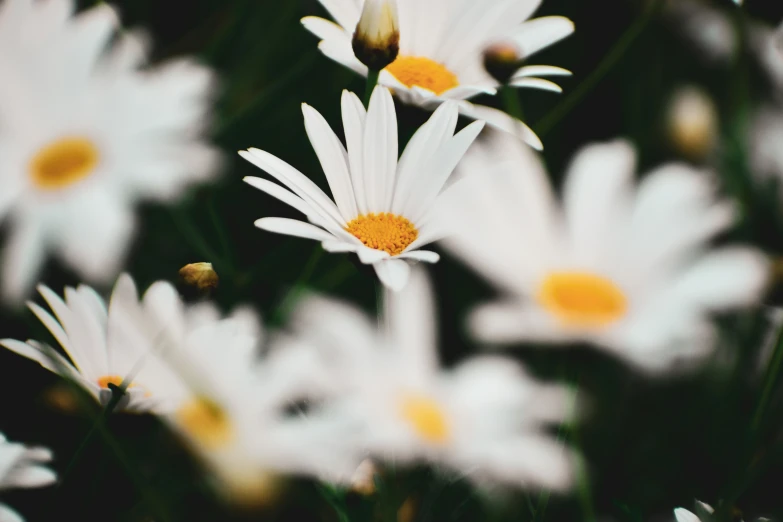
548	122
770	380
372	81
511	101
296	292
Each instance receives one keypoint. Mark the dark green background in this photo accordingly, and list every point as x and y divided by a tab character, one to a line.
651	444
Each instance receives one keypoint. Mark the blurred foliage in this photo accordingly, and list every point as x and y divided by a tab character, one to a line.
650	444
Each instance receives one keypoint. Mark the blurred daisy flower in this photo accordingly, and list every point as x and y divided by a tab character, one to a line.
621	266
235	414
382	205
106	344
87	130
704	513
484	419
441	47
22	467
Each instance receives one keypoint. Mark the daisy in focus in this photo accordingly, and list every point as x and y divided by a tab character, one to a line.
106	344
623	267
382	205
484	419
22	467
88	130
441	46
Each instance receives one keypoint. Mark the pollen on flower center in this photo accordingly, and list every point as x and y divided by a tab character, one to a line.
63	163
582	299
116	380
423	72
426	417
205	421
384	231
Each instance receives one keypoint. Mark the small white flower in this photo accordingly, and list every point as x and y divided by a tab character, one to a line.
106	344
88	129
441	51
22	467
483	419
382	205
620	266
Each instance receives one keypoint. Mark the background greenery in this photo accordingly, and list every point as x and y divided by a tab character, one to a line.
650	445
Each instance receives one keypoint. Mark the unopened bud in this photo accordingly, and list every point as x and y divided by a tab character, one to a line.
376	41
502	60
363	480
199	275
692	123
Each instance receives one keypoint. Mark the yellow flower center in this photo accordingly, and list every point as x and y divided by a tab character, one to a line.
63	163
421	71
116	380
426	417
582	299
205	421
387	232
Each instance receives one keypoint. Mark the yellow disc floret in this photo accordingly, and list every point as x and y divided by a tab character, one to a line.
582	299
116	380
426	417
63	163
384	231
206	422
423	72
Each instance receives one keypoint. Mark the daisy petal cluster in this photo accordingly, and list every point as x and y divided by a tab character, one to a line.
625	267
441	48
382	204
484	419
22	467
88	129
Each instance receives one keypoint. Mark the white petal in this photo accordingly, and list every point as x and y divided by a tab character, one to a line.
420	255
42	358
31	477
537	83
380	151
370	256
292	227
6	513
393	273
332	156
23	257
284	195
534	35
322	28
502	121
683	515
354	116
541	70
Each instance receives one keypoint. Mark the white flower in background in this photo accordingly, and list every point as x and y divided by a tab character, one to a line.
708	29
705	514
106	344
484	419
233	416
22	467
382	205
441	51
87	130
620	266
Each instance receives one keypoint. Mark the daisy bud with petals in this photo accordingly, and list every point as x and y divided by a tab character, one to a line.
376	41
501	60
692	122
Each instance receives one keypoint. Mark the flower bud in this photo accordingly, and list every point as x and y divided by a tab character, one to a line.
199	275
376	42
502	60
363	480
692	123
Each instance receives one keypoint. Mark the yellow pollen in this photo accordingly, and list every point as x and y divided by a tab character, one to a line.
116	380
63	163
426	417
387	232
582	299
205	421
421	71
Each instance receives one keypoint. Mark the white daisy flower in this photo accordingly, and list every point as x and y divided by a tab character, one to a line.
106	344
22	467
622	267
683	515
441	51
233	416
484	419
382	205
88	130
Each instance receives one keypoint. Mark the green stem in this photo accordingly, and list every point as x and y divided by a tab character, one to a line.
194	237
511	101
372	81
548	122
770	380
295	293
